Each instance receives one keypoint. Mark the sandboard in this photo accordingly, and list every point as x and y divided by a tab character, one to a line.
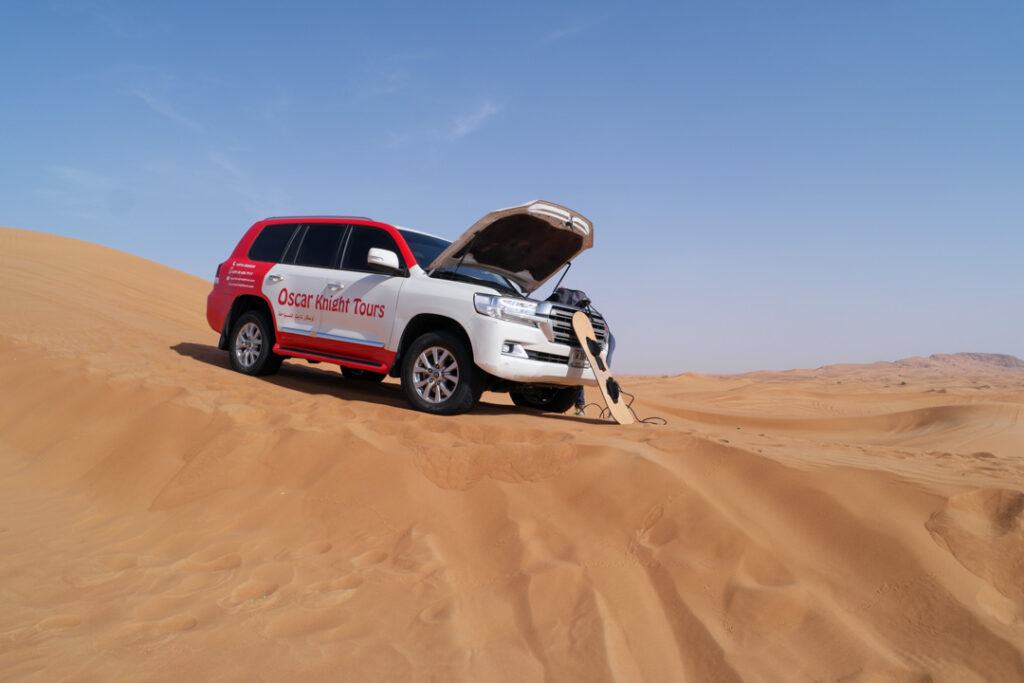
609	387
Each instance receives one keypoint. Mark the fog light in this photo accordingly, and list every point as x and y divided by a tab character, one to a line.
513	349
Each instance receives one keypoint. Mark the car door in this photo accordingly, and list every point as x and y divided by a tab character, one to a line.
360	312
297	287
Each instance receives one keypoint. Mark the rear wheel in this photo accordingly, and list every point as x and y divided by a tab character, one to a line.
438	375
548	399
251	346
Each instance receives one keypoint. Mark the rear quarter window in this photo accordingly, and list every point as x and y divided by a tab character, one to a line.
270	244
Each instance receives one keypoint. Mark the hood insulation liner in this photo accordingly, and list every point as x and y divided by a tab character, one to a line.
523	243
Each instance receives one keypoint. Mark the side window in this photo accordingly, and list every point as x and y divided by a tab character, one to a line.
360	241
293	248
320	246
270	244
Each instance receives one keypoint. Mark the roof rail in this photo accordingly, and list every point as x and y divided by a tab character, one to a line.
356	218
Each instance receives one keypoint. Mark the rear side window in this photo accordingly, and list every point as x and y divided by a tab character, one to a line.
362	239
321	246
270	244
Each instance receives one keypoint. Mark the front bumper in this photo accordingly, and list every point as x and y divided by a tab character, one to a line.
520	353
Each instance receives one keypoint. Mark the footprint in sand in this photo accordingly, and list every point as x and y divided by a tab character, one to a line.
311	626
309	550
199	563
151	632
114	566
331	593
250	594
442	611
369	558
43	628
662	532
203	571
656	530
176	624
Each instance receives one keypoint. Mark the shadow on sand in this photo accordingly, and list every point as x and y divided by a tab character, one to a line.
325	378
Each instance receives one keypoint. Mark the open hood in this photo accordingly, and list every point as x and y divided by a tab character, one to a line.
527	244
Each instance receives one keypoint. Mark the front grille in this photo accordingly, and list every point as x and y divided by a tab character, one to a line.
561	325
547	357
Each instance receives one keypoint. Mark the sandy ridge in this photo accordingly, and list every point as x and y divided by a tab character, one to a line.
162	517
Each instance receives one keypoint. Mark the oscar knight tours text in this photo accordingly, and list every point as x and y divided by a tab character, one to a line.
320	302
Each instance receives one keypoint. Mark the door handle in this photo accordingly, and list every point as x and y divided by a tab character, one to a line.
274	278
335	286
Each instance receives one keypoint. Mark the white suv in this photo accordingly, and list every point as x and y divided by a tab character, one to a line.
450	319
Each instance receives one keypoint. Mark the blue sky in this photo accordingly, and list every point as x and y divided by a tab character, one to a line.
772	185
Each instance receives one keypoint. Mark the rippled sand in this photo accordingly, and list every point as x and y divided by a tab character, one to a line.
163	518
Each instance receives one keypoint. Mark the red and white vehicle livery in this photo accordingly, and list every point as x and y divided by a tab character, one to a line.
449	319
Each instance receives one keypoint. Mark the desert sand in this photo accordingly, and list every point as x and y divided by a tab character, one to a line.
164	518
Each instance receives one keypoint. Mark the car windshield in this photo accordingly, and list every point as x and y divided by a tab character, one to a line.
426	248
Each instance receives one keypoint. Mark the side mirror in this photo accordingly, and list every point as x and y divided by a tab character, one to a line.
382	258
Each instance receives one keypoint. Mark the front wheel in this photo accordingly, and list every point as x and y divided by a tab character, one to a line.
548	399
438	375
252	344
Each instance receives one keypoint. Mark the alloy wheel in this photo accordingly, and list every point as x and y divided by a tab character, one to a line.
248	344
435	374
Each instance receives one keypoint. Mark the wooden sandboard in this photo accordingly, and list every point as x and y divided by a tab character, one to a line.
592	348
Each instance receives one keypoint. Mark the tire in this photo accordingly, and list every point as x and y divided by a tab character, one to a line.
442	367
362	375
548	399
251	345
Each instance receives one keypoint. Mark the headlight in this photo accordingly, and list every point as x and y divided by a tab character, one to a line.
505	308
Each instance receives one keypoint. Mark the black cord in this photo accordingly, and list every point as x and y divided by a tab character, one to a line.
582	410
606	413
652	420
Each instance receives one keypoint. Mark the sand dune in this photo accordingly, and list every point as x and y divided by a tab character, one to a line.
163	518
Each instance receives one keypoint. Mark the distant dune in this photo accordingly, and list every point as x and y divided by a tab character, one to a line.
164	518
978	367
957	363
